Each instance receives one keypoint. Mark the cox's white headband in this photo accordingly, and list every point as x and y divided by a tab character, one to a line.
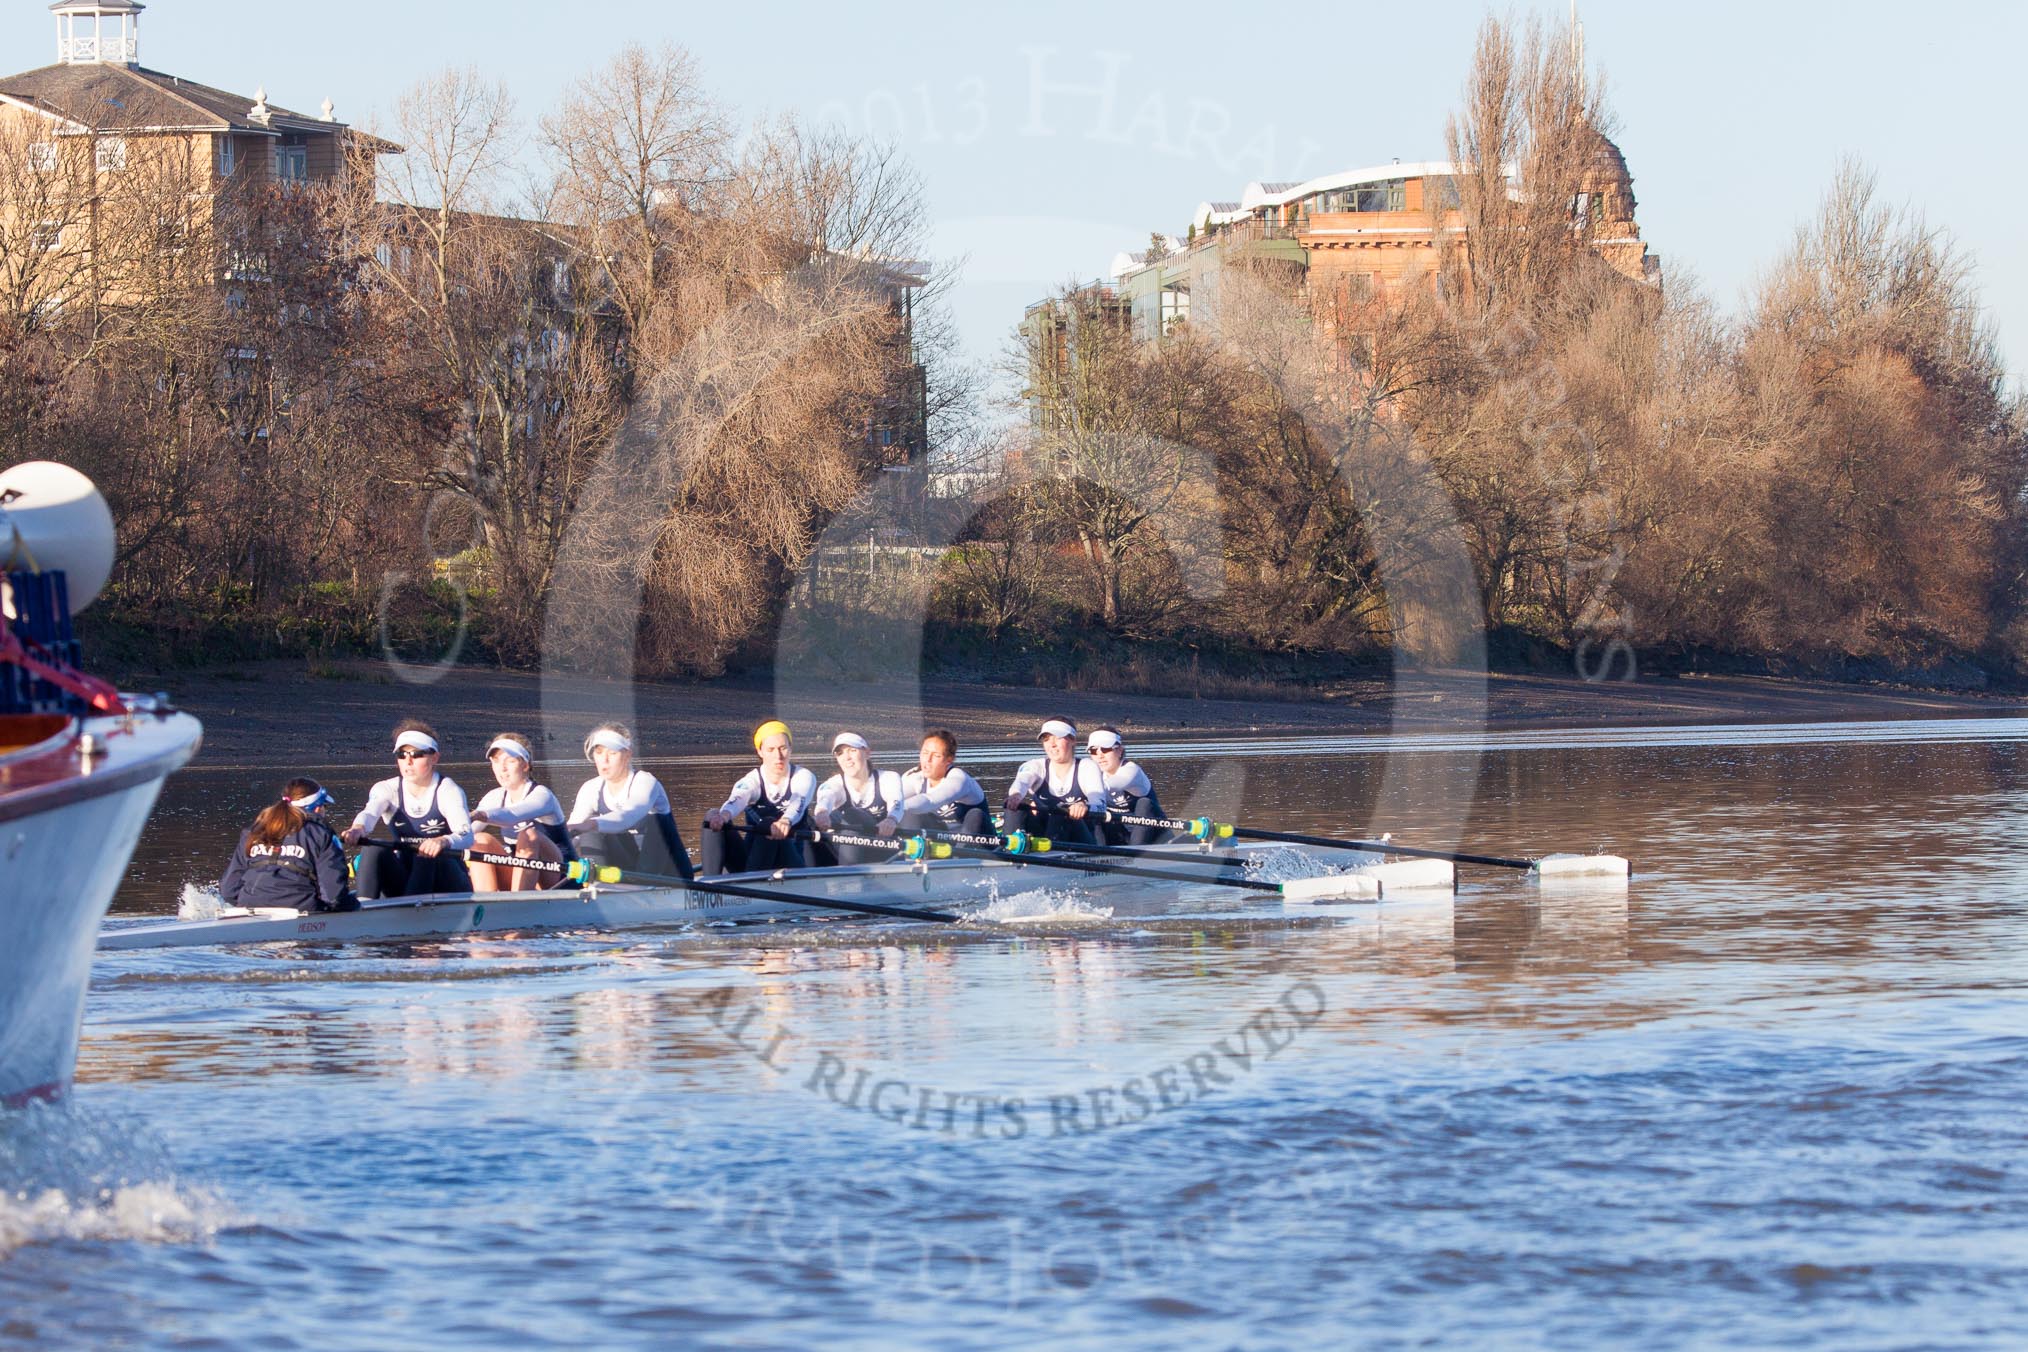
312	800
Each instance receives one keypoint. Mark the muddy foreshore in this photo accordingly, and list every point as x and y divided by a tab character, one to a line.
284	714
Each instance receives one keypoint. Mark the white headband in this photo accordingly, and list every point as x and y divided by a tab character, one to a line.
310	800
849	739
1056	727
1103	740
508	745
421	741
607	738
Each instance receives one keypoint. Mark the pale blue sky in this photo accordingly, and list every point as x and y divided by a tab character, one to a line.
1051	135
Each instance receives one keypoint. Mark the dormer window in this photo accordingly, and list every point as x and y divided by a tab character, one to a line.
292	160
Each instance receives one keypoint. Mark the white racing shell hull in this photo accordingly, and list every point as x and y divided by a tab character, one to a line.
68	826
943	885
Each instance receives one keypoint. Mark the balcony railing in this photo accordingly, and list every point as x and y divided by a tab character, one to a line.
88	51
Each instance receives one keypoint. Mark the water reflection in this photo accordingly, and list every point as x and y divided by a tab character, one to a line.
1785	1062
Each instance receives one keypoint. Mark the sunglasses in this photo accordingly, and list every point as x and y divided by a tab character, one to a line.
410	753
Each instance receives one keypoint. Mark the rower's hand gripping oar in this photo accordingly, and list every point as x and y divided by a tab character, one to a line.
1547	867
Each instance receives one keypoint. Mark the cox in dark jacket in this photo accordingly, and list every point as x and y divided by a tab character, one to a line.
290	857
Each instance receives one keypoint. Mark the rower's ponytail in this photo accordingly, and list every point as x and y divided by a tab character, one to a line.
278	821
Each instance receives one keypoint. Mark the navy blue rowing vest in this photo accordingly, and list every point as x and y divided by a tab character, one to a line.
430	824
764	811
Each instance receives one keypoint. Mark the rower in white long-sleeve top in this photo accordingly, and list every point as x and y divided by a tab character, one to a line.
937	795
519	817
858	799
1056	794
764	807
1128	790
621	817
428	818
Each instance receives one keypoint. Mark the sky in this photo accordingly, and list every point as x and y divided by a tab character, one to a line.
1050	136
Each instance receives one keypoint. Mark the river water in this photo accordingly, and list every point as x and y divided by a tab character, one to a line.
1770	1094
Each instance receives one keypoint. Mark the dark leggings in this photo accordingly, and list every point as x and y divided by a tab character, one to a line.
1119	833
658	848
853	821
1057	825
971	822
384	871
745	849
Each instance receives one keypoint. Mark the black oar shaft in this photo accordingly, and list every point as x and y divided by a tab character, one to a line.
1335	843
1225	860
769	894
1125	870
1381	847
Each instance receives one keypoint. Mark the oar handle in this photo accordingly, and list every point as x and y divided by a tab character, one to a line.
572	870
1197	828
908	847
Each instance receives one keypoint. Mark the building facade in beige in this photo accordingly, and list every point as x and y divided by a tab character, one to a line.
95	145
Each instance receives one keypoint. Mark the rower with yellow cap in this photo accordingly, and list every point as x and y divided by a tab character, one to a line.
769	802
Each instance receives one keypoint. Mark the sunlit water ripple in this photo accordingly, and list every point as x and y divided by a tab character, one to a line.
1769	1095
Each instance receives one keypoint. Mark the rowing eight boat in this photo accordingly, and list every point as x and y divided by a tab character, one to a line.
950	882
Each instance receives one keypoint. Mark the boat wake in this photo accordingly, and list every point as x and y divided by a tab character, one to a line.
1040	904
1286	863
199	903
68	1175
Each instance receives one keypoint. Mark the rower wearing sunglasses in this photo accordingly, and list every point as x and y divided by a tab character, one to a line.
428	817
1127	789
858	799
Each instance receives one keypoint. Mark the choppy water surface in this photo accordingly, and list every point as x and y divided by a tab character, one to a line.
1769	1095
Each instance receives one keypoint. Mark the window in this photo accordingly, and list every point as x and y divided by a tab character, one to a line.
42	157
46	237
292	164
111	154
228	157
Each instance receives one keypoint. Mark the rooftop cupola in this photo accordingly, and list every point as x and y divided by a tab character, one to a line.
98	32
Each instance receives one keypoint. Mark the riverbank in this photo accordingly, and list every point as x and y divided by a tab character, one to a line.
288	713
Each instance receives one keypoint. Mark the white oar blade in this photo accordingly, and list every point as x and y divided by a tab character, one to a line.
1404	875
1582	867
1332	887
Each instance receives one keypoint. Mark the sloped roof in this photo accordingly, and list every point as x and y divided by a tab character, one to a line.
133	98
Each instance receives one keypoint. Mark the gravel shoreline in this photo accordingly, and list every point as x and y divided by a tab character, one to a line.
284	713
